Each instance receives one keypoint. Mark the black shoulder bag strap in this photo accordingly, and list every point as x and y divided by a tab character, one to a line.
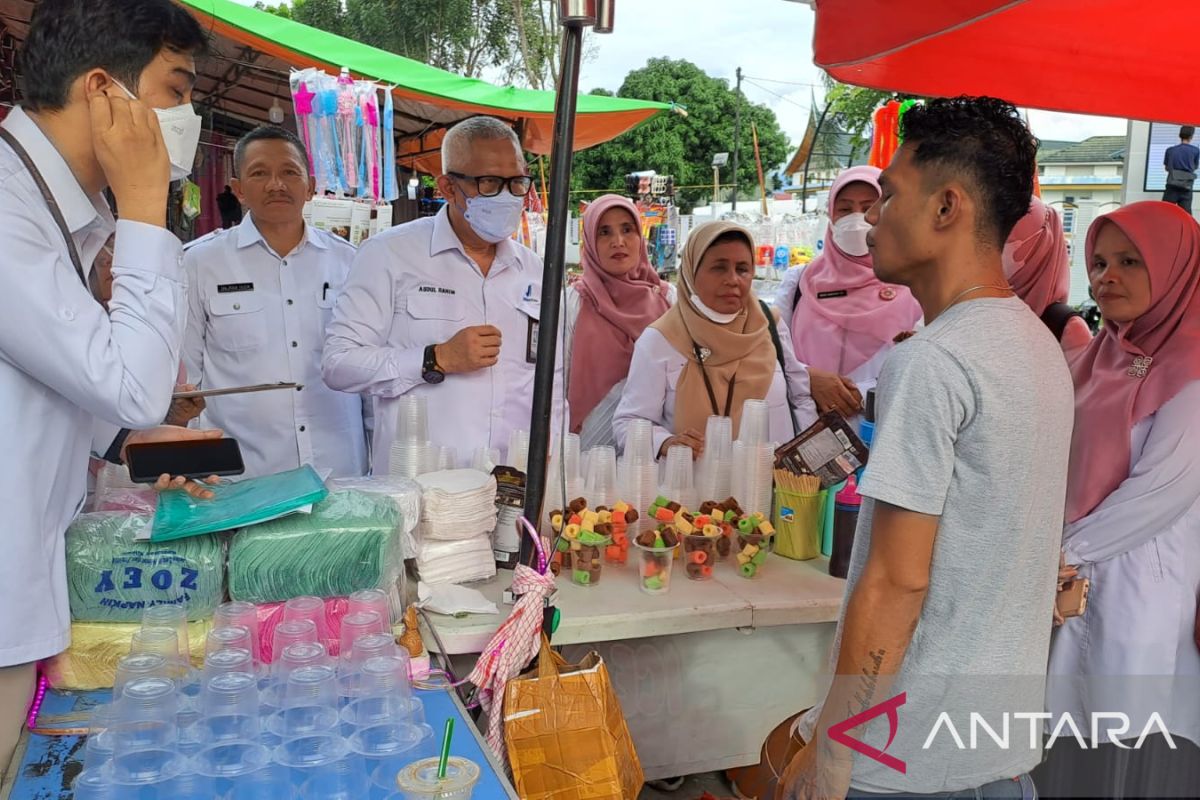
782	364
48	196
1056	316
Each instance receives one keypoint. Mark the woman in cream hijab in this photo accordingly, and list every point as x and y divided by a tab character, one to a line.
713	351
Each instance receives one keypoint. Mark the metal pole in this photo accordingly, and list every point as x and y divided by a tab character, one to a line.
716	189
816	133
737	133
552	279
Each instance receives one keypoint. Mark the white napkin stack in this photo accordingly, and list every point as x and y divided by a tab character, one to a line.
458	515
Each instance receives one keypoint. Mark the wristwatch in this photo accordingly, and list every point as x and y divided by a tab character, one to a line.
430	370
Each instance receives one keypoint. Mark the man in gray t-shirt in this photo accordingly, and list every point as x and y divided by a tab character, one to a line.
952	577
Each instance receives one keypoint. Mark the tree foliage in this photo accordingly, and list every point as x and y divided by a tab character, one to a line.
852	108
679	146
516	38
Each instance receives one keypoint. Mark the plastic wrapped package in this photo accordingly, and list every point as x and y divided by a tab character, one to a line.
237	504
349	542
96	647
133	501
112	578
463	561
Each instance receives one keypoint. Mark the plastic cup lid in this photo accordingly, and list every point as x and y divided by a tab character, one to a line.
420	777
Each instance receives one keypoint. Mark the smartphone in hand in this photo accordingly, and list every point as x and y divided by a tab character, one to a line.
194	458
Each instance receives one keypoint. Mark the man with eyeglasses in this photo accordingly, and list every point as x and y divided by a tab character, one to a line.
447	307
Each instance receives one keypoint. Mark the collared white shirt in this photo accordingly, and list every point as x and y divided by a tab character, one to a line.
654	373
70	373
413	286
258	317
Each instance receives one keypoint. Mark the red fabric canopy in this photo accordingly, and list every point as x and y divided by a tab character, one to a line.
1120	58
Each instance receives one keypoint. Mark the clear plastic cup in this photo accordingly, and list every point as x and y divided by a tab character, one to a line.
192	785
447	457
639	443
420	781
699	556
372	600
412	419
485	459
145	716
161	641
140	665
230	762
345	779
314	685
361	623
600	482
301	654
387	748
376	645
221	662
240	613
655	568
269	782
292	632
383	709
679	482
303	755
145	766
386	768
387	675
94	783
753	427
233	637
714	468
517	454
173	617
309	608
230	707
290	723
98	748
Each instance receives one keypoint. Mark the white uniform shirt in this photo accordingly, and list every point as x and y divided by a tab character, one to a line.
597	427
1140	548
70	373
654	373
258	318
413	286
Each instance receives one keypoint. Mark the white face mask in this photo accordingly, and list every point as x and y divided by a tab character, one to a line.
850	234
715	316
181	134
495	219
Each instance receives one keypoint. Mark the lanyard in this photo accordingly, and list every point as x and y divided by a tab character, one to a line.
48	196
712	396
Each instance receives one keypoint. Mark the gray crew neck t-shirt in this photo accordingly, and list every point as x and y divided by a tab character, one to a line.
974	426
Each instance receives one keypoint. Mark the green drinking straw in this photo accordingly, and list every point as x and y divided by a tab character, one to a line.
445	759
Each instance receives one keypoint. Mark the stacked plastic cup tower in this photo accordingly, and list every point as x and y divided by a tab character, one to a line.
412	454
637	472
679	482
309	725
753	460
714	468
566	462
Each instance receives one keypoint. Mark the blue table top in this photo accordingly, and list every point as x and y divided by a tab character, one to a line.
50	764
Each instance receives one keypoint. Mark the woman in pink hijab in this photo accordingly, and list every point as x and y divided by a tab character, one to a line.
1133	502
619	295
842	318
1038	267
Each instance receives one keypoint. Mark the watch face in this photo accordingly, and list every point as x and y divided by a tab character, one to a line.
433	376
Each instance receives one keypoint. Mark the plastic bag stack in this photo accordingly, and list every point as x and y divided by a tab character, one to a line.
458	514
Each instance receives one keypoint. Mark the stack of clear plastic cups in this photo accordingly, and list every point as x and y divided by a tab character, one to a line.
230	706
140	665
268	782
600	481
234	637
373	645
346	779
294	656
754	428
93	783
360	623
679	483
755	461
292	632
307	607
192	785
311	756
372	600
386	695
410	450
389	747
310	703
485	459
240	613
145	757
223	662
175	618
714	469
565	472
162	642
447	457
637	473
517	455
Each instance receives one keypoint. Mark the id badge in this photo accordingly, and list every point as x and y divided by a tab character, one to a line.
531	342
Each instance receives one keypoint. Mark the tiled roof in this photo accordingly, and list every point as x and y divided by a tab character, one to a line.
1097	149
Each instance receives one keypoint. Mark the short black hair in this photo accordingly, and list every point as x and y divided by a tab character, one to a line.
985	141
1187	132
267	133
69	37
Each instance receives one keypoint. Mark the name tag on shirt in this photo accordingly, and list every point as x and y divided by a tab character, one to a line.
831	295
226	288
531	342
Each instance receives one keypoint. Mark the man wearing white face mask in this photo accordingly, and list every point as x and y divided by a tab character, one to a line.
71	374
447	307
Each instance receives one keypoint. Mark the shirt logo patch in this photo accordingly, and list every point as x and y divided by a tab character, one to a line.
226	288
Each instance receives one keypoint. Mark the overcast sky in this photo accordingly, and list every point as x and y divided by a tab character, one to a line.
771	40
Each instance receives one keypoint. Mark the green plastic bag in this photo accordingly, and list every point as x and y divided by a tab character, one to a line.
236	504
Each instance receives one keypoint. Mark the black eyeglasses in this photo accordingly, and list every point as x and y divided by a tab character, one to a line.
492	185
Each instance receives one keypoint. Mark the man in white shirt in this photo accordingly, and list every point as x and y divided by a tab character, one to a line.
260	296
71	373
447	307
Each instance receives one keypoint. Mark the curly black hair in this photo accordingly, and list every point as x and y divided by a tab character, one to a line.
983	140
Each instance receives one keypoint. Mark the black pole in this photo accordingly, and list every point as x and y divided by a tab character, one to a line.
816	134
552	281
737	133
